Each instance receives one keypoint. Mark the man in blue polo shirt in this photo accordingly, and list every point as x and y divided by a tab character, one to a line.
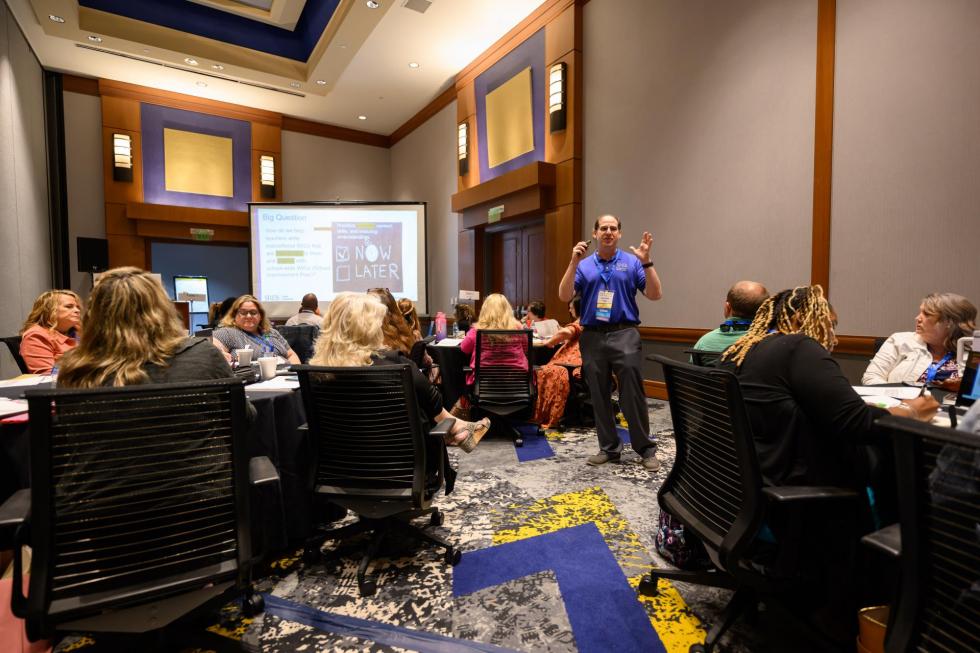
608	281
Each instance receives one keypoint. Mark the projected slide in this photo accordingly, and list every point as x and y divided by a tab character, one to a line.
332	248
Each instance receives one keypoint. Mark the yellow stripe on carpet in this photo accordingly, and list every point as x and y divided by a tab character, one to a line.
674	622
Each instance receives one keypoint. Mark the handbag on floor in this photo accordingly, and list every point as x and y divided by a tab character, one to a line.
683	550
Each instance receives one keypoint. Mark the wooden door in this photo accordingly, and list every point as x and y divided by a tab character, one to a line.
517	257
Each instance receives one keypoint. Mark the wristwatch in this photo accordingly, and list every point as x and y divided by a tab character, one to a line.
648	264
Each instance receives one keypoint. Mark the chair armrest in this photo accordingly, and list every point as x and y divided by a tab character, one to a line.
15	509
467	369
262	471
442	428
888	540
13	513
788	493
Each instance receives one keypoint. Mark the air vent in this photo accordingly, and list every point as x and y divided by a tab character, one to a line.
417	5
199	73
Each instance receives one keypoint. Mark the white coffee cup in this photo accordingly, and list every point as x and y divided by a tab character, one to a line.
267	367
244	356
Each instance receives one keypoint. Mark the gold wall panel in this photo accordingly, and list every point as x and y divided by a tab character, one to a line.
510	119
198	163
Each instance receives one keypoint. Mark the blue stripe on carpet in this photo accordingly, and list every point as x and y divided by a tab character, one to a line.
375	631
602	608
535	446
624	435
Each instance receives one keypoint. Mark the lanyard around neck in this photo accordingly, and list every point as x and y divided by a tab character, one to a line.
262	341
605	267
933	369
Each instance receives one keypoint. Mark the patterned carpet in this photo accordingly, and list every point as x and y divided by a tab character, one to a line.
553	550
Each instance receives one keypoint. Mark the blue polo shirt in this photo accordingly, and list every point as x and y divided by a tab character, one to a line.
625	277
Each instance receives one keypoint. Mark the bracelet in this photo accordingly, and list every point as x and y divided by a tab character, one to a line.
648	264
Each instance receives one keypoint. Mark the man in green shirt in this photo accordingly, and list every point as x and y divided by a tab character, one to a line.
743	300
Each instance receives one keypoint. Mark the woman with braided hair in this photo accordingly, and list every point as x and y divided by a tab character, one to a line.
808	423
811	428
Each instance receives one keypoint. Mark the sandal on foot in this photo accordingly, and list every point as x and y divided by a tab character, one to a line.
476	432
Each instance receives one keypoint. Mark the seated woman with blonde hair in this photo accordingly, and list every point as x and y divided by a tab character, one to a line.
552	379
928	355
351	336
52	328
135	336
496	314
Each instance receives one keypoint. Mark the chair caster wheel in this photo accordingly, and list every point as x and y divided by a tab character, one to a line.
519	442
453	556
437	518
648	586
368	587
252	604
697	648
311	555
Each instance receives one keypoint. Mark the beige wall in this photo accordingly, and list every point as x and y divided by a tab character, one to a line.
906	183
25	255
83	163
423	168
705	140
316	168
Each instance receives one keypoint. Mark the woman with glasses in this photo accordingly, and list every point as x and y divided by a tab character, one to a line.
246	327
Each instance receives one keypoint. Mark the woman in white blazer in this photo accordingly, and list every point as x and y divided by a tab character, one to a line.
929	354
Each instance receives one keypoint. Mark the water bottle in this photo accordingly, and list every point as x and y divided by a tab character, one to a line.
440	326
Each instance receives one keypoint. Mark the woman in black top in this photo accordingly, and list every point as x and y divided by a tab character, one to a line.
807	421
351	336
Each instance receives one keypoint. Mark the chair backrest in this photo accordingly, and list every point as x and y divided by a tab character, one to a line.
367	431
702	357
938	473
498	379
301	339
13	344
137	493
417	355
715	485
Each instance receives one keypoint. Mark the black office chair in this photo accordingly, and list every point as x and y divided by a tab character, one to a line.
715	489
13	345
704	358
301	339
140	495
504	392
579	410
417	355
938	472
373	457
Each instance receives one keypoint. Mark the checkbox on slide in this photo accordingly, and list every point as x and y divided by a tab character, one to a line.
343	273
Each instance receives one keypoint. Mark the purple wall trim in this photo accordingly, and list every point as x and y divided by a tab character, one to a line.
529	53
153	120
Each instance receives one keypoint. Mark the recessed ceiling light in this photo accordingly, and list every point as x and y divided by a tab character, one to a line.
95	39
373	4
190	62
362	117
57	19
413	64
217	66
202	84
321	82
294	84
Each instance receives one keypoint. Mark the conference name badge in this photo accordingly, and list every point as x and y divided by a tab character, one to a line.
603	305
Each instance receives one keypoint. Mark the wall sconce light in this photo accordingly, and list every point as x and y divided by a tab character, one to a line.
463	149
267	176
122	157
556	96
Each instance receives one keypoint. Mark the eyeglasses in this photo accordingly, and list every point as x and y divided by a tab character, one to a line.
248	313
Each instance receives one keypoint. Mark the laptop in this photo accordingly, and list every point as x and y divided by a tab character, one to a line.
969	389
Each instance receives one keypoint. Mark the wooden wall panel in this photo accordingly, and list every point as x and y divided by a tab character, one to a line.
117	222
266	137
127	250
560	36
182	231
568	182
562	229
566	144
121	113
466	110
